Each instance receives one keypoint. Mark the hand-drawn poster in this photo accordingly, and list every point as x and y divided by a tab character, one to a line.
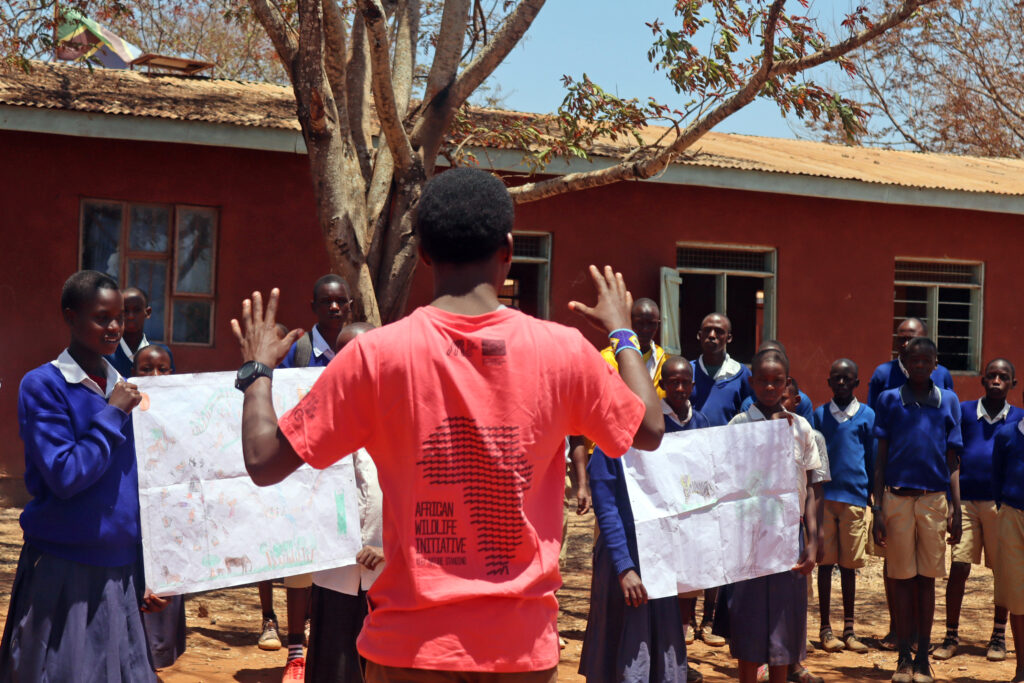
714	506
205	524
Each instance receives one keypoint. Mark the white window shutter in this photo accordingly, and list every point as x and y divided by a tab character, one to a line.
670	283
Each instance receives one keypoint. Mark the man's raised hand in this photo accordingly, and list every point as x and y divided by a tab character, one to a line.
257	334
611	312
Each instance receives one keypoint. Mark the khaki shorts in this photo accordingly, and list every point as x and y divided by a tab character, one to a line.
846	534
981	530
916	535
1009	572
870	548
298	581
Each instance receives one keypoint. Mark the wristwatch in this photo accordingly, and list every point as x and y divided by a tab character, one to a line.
249	373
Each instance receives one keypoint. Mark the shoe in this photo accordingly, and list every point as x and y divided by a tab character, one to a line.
294	670
829	643
922	671
693	676
853	644
996	649
689	630
946	650
562	643
810	646
305	634
762	674
270	638
904	669
710	638
802	675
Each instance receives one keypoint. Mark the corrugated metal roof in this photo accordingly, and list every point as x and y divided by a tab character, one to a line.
263	105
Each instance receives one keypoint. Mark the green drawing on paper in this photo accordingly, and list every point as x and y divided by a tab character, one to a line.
339	503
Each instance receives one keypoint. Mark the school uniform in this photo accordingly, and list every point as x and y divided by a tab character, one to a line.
321	354
123	359
977	501
642	644
765	619
804	409
917	477
893	375
1008	491
849	438
720	397
338	602
74	612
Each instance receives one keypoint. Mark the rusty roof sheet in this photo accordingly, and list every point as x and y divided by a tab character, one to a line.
264	105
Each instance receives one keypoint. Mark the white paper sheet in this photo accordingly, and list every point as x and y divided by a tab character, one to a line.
715	506
205	524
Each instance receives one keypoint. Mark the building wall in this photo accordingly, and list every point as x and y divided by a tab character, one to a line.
835	258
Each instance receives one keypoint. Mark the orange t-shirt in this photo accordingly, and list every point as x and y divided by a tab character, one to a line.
465	418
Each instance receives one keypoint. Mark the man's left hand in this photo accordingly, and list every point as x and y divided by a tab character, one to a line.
257	333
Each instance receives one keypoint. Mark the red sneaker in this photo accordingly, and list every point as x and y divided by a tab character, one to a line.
294	670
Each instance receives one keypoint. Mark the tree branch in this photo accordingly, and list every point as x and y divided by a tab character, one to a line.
383	90
408	16
281	35
334	59
357	90
448	51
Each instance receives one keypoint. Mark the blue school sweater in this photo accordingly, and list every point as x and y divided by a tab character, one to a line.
919	437
889	376
316	360
124	365
851	453
976	461
613	511
80	470
804	410
719	400
696	421
1008	465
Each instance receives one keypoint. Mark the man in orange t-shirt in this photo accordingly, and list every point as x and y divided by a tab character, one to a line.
463	406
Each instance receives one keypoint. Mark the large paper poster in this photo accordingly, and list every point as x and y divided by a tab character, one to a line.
205	524
715	506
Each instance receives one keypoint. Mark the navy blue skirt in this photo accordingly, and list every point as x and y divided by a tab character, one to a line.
72	622
335	621
626	644
165	632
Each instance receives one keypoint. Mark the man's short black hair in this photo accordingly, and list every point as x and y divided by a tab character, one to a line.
80	288
1009	363
140	290
463	216
769	356
846	361
329	279
926	342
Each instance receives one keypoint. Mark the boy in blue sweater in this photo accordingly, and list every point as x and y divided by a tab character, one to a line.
893	375
75	604
981	419
1008	490
720	384
847	426
919	443
332	306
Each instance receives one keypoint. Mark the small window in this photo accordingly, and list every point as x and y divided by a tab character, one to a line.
947	297
167	251
738	281
527	286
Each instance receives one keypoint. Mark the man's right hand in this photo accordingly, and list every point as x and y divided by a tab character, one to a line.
257	333
612	310
878	529
125	396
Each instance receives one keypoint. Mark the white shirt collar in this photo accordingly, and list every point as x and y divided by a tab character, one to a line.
320	345
74	374
983	414
652	361
729	368
128	352
755	413
906	373
667	409
934	398
843	414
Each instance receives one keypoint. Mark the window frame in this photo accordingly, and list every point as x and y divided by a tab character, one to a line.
126	254
976	322
544	263
770	310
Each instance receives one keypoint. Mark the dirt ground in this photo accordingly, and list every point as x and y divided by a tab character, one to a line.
222	642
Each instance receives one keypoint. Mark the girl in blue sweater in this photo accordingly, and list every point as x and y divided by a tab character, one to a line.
78	590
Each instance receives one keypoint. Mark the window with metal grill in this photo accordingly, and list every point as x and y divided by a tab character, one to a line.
947	297
528	283
530	246
718	260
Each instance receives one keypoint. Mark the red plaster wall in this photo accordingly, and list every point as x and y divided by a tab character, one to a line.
835	259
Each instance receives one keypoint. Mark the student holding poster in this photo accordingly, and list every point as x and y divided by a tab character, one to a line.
464	406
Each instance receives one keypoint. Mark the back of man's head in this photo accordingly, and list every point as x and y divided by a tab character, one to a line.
463	216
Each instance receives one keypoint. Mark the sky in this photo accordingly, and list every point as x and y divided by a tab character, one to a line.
608	40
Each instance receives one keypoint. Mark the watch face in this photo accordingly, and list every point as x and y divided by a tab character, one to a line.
247	370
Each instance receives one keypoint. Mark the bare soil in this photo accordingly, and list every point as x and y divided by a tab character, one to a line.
222	642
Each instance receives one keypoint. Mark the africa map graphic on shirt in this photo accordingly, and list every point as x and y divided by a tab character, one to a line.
493	473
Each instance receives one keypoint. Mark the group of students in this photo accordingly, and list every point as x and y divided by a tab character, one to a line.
932	471
420	396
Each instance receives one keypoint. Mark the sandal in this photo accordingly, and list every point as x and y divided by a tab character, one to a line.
802	675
